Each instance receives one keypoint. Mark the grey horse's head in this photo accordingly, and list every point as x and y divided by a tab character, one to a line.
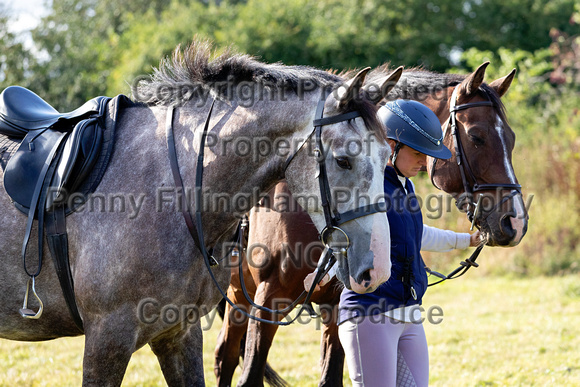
355	154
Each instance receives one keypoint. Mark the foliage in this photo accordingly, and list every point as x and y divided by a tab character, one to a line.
85	48
342	34
74	42
92	47
15	60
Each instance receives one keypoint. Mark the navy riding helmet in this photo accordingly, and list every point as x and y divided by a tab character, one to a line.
415	125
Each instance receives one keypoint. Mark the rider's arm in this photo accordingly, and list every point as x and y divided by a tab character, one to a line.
436	239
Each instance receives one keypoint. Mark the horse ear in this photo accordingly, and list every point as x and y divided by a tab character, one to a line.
502	85
469	86
353	88
376	95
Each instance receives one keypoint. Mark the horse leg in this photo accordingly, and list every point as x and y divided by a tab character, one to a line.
259	338
108	349
227	352
180	355
331	352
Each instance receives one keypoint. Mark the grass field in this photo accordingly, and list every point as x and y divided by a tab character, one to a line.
495	332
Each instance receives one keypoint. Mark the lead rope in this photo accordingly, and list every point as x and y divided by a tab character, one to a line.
463	267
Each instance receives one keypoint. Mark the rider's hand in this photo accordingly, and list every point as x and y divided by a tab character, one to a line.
310	278
475	239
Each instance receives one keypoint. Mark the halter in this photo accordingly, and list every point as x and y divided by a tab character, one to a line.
467	202
333	218
473	208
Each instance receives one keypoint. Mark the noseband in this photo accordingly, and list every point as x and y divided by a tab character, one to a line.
466	202
333	218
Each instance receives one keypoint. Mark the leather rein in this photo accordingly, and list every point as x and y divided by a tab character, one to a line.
333	218
467	202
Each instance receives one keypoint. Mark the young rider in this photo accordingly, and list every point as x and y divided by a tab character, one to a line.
381	333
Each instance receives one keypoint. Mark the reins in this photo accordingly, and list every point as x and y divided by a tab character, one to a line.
326	261
333	218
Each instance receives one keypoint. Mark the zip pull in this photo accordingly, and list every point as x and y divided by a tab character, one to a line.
413	293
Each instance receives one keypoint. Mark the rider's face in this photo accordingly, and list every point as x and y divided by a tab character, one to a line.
409	161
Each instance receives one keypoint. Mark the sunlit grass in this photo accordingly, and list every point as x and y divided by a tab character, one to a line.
495	332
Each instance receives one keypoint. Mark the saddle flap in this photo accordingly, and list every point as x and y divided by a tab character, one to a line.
24	167
80	152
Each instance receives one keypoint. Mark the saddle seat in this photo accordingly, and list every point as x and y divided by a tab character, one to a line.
22	110
58	150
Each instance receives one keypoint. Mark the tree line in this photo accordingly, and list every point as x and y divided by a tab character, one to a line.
84	48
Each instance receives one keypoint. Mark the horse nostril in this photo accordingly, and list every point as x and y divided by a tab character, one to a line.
505	226
365	278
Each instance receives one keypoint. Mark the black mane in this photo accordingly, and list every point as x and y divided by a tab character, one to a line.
196	70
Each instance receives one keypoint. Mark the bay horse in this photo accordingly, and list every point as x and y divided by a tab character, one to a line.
139	277
281	231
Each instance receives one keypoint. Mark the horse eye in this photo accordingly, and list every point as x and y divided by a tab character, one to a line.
477	140
343	162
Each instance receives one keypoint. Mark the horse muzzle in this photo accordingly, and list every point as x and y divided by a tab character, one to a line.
506	229
364	271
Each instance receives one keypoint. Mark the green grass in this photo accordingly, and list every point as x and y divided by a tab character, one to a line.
495	332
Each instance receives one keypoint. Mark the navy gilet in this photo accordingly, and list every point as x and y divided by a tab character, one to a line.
408	281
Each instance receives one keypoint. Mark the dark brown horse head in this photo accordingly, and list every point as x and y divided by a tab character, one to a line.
480	174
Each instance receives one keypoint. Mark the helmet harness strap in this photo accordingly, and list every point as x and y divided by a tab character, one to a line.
394	156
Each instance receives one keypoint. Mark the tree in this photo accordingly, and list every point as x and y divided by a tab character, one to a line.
92	47
78	39
15	60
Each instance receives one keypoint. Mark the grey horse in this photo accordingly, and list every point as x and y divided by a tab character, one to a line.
139	278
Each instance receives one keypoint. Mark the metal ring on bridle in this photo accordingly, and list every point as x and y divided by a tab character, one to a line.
324	235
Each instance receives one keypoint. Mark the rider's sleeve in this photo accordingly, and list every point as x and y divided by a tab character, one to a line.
436	239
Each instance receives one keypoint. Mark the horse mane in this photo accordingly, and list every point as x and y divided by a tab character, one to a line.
199	69
416	83
187	72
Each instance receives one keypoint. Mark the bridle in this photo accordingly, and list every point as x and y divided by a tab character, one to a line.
466	201
333	218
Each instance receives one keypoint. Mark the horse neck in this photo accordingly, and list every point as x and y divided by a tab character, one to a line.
234	180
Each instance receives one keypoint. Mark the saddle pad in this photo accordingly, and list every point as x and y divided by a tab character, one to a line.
8	147
93	180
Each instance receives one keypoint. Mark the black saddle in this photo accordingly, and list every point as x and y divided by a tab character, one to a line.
56	157
71	142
